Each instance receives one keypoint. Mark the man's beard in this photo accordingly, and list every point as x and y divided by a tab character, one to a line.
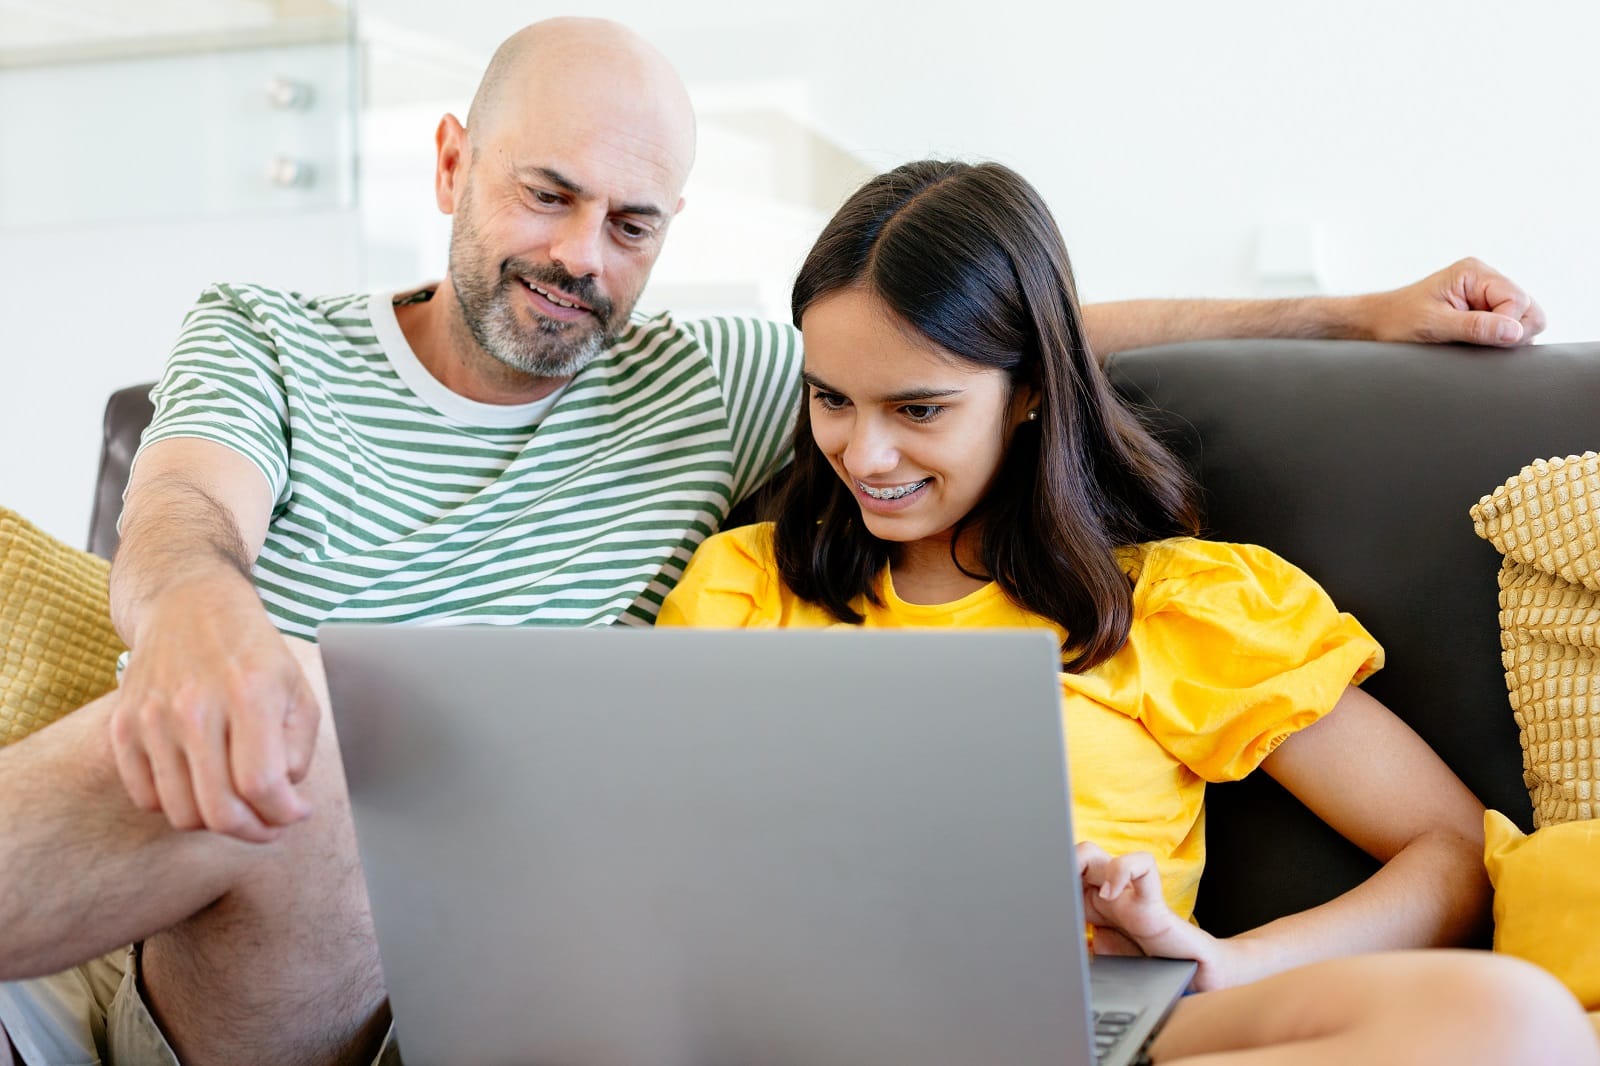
550	349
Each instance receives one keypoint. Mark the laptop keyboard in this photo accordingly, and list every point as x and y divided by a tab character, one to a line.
1109	1027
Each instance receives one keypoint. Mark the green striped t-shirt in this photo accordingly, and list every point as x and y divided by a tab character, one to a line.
398	500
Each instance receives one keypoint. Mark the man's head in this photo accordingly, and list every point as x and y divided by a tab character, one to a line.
562	184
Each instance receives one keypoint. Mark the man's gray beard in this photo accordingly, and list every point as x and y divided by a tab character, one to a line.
487	308
545	354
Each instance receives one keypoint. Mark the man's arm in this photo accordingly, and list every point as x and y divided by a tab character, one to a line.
1467	302
215	720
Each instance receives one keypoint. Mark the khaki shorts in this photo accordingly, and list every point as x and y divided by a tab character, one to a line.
94	1015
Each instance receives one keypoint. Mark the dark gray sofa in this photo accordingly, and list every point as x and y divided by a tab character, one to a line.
1358	462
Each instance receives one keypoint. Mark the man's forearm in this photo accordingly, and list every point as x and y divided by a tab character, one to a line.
175	533
1118	326
1467	302
214	721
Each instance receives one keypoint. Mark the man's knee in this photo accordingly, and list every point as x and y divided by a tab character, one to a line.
310	659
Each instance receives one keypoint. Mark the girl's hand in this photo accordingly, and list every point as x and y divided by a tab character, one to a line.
1122	899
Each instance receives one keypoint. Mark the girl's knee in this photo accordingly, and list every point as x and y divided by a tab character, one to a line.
1513	1005
1453	1008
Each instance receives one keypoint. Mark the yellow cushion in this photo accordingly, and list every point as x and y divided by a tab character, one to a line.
1548	517
1546	522
1547	898
57	648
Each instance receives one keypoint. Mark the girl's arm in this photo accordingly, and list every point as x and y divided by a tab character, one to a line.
1366	774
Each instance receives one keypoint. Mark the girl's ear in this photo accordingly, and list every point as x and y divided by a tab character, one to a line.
1024	405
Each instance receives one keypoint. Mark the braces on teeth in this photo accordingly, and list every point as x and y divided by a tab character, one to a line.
894	493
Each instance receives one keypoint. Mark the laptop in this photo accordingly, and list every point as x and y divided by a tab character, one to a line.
623	847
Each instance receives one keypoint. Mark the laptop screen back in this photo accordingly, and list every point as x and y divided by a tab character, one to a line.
696	847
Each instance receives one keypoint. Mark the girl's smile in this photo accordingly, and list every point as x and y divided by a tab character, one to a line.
914	431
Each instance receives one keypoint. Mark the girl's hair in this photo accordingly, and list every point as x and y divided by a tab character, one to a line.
970	257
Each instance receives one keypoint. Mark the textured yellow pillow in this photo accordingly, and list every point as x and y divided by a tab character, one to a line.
1546	522
57	648
1547	898
1548	517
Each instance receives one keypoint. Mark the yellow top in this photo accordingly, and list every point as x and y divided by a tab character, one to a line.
1231	650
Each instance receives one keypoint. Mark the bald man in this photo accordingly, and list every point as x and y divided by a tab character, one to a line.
510	445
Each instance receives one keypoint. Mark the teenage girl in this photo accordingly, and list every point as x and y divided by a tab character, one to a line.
961	461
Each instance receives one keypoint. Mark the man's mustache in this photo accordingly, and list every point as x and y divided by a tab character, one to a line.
555	277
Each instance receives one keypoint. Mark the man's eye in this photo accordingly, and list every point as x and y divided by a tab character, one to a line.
921	412
549	199
632	230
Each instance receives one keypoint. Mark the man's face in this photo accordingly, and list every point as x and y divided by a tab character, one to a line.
556	230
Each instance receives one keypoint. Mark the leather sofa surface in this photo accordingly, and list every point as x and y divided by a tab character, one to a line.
1358	462
127	413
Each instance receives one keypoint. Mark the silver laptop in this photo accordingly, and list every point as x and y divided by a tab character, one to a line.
726	848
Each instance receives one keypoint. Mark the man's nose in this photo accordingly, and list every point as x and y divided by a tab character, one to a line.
577	244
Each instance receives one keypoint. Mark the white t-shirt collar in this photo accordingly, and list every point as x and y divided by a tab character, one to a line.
454	406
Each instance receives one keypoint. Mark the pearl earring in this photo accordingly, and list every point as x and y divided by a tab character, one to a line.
1033	416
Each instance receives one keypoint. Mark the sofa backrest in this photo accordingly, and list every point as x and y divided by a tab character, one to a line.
1358	462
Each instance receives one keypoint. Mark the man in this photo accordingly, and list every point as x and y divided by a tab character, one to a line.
439	455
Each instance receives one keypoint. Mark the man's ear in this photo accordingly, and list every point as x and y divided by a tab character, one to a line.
450	167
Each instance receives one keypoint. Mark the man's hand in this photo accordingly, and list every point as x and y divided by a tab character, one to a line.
1122	899
1467	302
215	721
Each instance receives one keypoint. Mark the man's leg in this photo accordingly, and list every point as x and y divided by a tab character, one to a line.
253	953
1451	1008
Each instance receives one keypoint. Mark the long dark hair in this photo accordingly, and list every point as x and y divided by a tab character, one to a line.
970	257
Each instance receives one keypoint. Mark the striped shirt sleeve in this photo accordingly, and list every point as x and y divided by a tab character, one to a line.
223	383
758	364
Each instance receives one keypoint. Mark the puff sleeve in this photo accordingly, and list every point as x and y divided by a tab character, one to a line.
730	583
1234	649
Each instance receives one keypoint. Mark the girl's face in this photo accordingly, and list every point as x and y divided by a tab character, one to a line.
914	431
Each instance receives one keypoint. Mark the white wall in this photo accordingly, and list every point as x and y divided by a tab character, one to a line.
1168	134
1385	138
1169	137
92	309
126	186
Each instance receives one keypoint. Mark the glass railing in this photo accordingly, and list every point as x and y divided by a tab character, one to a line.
133	111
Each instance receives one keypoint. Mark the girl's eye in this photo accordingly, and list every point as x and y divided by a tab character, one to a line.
921	412
828	401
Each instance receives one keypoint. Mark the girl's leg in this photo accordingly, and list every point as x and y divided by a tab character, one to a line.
1454	1008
